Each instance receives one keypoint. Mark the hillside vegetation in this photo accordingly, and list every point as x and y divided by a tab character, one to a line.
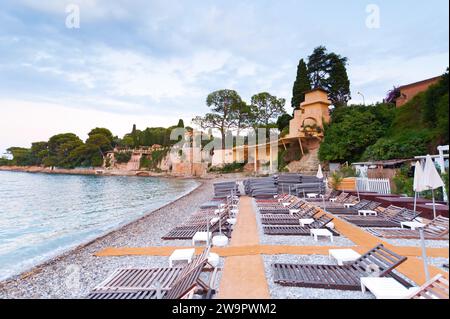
382	132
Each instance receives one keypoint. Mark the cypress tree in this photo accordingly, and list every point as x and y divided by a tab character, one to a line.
180	123
301	85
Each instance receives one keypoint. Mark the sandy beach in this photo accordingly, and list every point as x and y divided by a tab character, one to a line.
75	273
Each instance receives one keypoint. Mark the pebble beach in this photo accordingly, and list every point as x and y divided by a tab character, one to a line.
75	273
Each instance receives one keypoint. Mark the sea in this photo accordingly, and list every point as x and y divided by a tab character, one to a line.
44	215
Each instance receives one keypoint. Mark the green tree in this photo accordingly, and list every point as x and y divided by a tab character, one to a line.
180	123
103	131
318	67
38	152
59	147
338	84
352	130
21	156
266	109
328	71
224	106
302	84
135	136
283	121
244	116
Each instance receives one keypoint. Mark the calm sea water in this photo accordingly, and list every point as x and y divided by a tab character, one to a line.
43	215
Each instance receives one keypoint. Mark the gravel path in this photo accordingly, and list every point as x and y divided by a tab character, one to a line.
297	240
438	262
75	273
416	243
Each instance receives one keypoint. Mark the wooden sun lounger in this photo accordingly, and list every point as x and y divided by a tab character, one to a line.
139	283
436	288
292	205
303	207
320	222
437	229
349	211
390	217
188	231
287	219
341	197
345	277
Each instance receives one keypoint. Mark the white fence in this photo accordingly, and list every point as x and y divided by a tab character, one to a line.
377	185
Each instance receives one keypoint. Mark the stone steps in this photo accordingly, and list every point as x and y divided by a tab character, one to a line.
308	164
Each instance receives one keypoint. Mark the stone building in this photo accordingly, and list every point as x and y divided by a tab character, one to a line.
408	91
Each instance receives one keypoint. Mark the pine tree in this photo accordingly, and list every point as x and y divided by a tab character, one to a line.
301	85
338	84
318	67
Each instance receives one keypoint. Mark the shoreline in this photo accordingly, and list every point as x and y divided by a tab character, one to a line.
49	279
71	250
89	171
34	269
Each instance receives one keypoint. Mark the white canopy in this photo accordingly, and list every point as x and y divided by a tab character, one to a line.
431	178
319	172
418	178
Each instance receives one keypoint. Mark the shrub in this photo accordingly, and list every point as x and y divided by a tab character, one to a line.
403	181
407	145
229	168
344	172
122	157
352	130
336	180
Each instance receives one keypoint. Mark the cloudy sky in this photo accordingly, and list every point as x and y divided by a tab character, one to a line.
151	62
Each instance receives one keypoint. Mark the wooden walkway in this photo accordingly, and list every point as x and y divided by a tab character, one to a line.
244	276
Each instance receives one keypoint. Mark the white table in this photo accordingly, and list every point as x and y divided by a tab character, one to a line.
286	204
181	255
321	232
201	236
294	211
306	221
412	225
232	221
343	256
348	205
367	212
220	241
333	199
386	288
312	195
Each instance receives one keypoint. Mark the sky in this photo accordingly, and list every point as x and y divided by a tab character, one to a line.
151	62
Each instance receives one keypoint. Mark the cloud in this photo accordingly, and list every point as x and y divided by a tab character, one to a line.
375	77
158	59
90	10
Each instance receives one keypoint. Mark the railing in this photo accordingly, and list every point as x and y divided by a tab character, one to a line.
377	185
